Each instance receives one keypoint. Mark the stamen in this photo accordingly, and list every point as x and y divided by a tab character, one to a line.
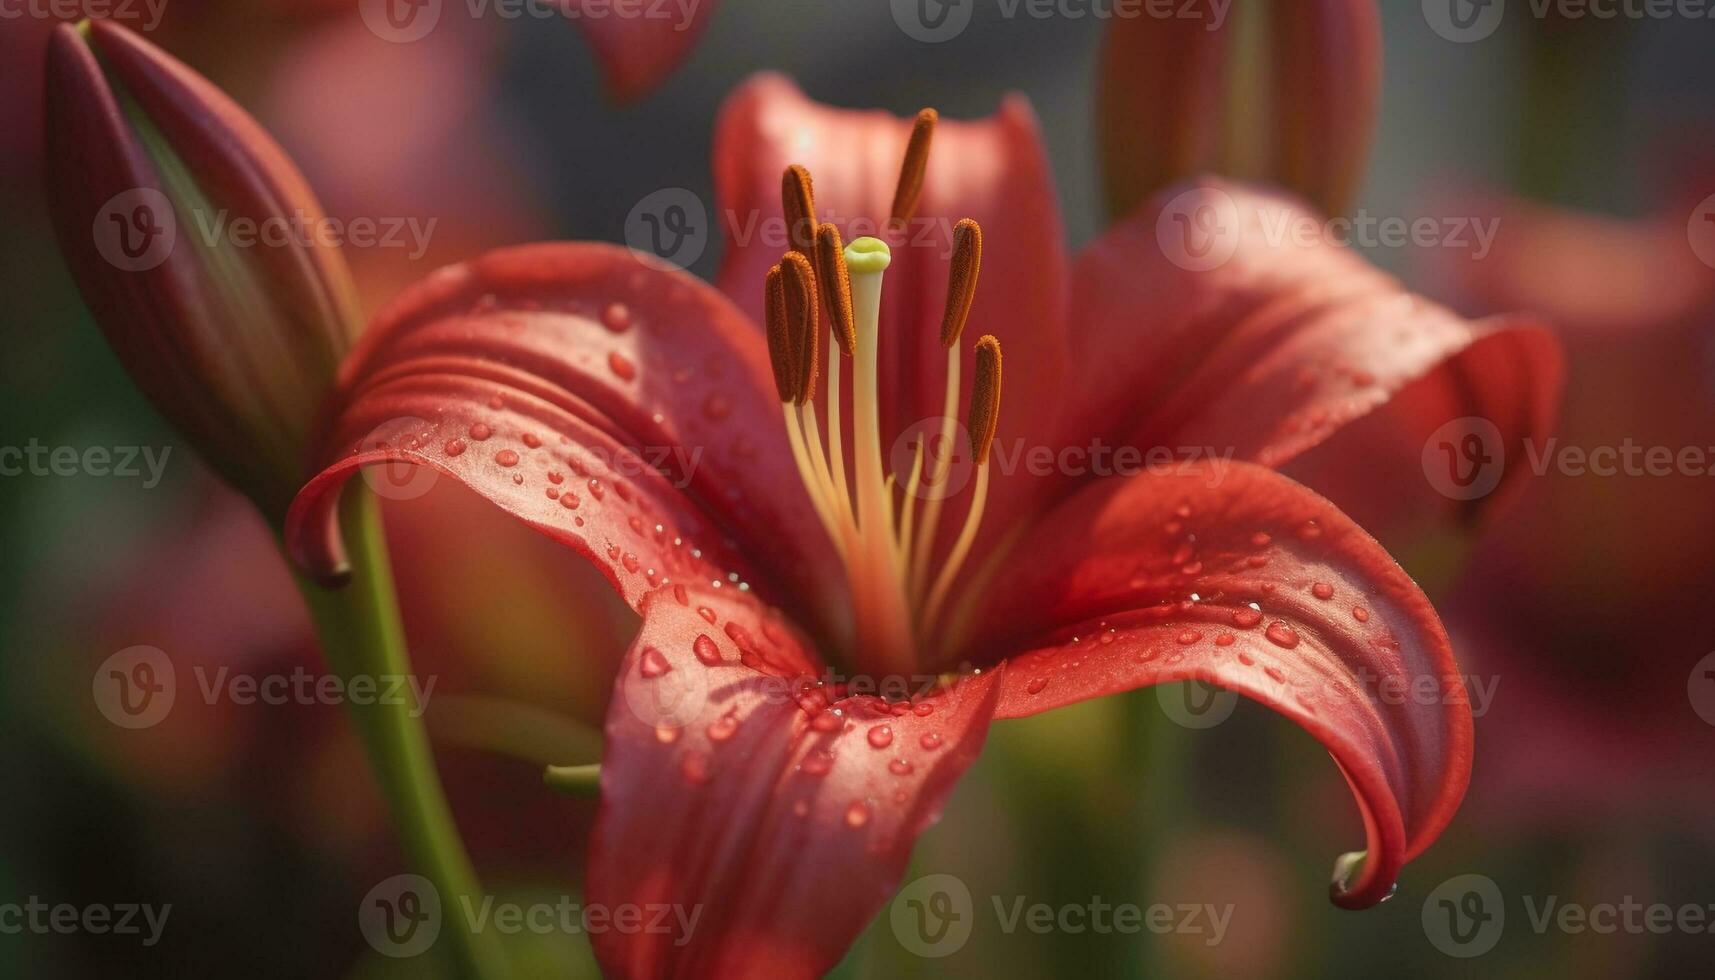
985	398
985	413
779	339
799	285
962	279
916	162
798	202
836	282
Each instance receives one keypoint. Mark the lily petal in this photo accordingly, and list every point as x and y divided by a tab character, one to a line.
994	170
1270	352
620	408
1238	576
734	791
638	44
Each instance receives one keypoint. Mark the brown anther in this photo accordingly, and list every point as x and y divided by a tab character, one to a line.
798	202
802	332
836	286
916	162
962	279
779	335
985	398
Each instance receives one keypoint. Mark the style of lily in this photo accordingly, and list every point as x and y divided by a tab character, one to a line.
821	651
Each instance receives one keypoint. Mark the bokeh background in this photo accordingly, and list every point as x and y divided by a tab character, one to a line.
1585	609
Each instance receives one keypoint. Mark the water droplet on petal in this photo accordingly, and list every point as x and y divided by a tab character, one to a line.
1189	637
881	736
901	767
1281	635
694	766
706	651
1360	614
621	366
930	741
481	431
506	457
722	728
616	317
1322	590
1246	618
857	814
817	763
652	664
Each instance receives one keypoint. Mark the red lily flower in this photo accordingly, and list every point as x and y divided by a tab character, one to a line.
757	763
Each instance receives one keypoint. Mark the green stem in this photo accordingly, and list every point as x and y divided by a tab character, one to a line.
583	782
361	635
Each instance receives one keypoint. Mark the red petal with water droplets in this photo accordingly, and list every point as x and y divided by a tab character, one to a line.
640	42
994	170
724	797
617	407
1117	566
1271	351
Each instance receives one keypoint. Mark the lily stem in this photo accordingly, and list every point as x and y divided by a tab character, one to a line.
362	636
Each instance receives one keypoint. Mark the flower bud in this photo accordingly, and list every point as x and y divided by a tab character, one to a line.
200	250
1273	92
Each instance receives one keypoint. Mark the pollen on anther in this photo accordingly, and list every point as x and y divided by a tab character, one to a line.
985	398
912	169
962	279
798	202
779	337
835	280
802	334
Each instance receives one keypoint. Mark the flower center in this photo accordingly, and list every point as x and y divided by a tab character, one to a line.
881	523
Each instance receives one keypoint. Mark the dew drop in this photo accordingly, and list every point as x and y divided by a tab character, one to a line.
454	447
707	613
1261	539
1322	590
666	734
828	721
652	664
1360	614
723	728
901	767
481	431
694	766
857	814
1281	635
506	457
817	763
1224	640
596	489
1246	618
881	736
704	647
930	741
1036	685
621	366
616	317
717	407
1189	637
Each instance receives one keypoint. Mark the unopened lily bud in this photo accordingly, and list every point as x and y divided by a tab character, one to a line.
1278	93
201	251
